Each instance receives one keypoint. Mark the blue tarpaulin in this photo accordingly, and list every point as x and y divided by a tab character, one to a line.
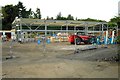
38	41
48	41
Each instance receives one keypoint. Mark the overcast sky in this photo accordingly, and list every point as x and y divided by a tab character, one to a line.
97	9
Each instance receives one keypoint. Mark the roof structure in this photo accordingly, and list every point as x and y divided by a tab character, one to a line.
35	25
37	22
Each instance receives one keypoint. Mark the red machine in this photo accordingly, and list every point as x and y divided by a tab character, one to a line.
80	37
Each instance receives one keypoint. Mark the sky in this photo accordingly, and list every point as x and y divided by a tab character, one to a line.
82	9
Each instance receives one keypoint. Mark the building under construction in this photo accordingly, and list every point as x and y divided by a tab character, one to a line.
26	26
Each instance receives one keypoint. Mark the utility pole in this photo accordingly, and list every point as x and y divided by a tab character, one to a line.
20	26
66	26
86	28
45	28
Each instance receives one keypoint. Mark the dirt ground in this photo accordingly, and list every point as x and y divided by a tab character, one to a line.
57	60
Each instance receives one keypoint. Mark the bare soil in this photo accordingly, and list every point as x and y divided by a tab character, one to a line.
57	60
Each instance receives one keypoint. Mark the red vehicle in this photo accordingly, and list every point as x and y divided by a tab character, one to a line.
81	37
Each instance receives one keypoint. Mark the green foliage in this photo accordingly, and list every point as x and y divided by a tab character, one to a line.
111	24
116	20
89	19
10	12
0	10
60	17
38	14
21	10
70	17
118	39
48	18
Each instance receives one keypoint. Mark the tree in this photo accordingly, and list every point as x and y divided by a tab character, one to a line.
90	19
0	10
76	18
115	20
52	18
38	13
9	12
30	13
48	18
22	12
21	9
59	16
63	18
70	17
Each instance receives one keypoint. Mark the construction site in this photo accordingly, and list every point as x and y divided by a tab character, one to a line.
43	49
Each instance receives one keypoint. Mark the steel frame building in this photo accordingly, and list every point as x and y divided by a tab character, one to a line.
67	26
